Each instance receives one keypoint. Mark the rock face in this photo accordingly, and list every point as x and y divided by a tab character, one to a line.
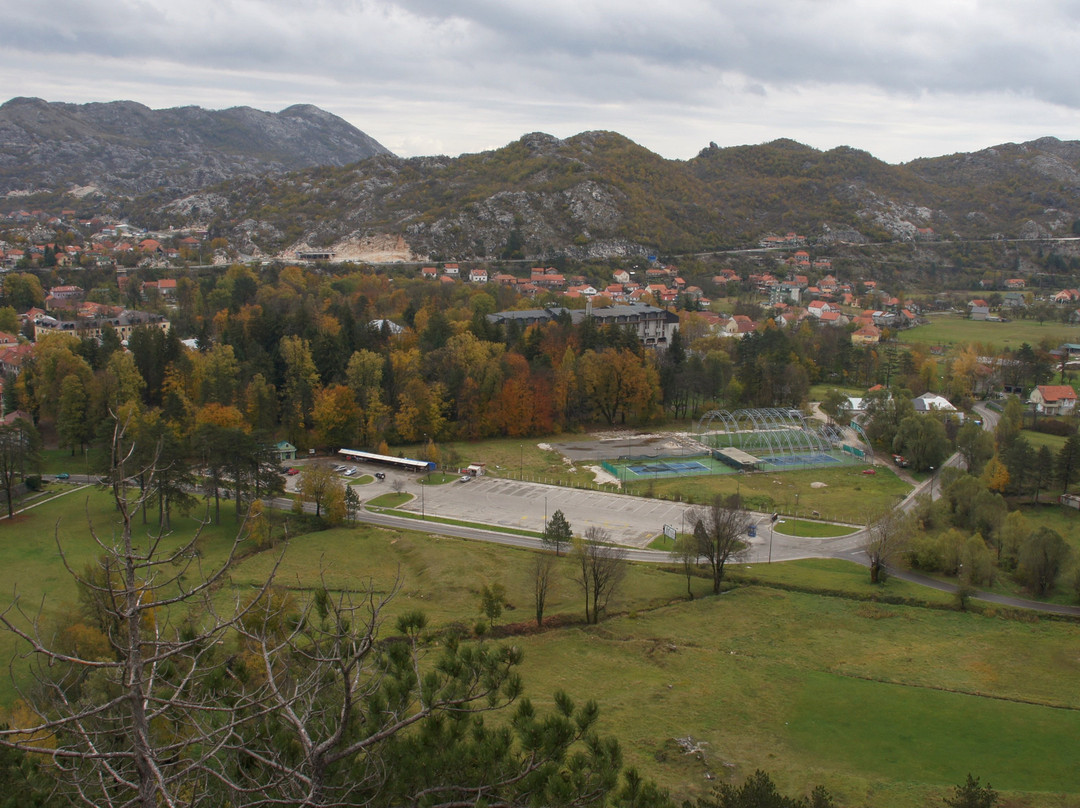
124	148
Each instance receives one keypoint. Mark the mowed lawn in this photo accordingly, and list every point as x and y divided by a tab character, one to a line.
885	705
955	329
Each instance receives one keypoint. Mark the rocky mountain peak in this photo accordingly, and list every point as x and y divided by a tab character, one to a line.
127	148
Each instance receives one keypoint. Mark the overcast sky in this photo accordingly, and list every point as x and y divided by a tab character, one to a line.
898	78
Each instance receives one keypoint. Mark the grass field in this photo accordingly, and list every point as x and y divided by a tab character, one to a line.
31	560
885	705
817	530
954	329
508	457
848	495
1038	439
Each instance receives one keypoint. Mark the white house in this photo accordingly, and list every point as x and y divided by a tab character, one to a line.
929	402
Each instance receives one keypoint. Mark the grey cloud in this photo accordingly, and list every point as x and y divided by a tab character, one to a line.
588	48
519	64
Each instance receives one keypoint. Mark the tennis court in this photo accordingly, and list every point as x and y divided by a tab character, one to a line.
666	467
810	459
626	468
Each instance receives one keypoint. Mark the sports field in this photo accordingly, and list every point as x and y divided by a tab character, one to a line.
803	460
628	469
655	468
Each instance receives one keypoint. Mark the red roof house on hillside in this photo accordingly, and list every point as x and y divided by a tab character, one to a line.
1053	399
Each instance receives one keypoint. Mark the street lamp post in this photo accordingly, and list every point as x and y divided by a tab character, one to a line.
772	530
932	475
521	461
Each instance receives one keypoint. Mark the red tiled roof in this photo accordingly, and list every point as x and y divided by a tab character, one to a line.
1056	392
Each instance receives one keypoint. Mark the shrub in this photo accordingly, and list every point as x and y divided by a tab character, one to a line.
924	554
1054	426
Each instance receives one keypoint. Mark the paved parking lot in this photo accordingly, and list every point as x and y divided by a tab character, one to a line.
632	521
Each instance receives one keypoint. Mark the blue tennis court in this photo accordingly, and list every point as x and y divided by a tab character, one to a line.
802	460
665	467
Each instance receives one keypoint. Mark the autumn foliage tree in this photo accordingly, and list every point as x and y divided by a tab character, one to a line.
336	417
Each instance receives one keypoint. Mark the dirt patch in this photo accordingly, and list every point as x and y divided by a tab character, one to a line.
615	445
378	249
602	475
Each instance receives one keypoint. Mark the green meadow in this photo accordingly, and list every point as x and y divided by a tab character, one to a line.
955	329
795	669
842	494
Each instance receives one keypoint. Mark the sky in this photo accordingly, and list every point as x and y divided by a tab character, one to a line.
900	79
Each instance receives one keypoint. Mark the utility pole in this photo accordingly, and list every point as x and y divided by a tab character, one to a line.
772	530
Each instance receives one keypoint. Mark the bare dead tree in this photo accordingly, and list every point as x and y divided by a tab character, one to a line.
886	538
719	531
543	567
685	554
599	567
287	700
136	726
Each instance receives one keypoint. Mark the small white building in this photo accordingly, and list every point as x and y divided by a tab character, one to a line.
930	402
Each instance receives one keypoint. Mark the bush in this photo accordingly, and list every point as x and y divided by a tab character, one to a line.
950	547
759	502
33	482
964	593
1054	426
924	554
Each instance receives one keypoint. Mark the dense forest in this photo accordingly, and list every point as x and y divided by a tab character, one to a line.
310	356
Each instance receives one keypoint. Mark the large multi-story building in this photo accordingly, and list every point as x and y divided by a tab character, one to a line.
654	326
92	327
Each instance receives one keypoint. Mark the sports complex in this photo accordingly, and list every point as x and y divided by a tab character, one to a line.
730	442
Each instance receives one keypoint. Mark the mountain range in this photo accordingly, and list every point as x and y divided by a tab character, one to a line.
305	179
127	149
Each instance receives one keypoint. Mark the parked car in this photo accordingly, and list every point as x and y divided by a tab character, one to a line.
350	472
63	475
900	460
292	472
379	475
464	478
